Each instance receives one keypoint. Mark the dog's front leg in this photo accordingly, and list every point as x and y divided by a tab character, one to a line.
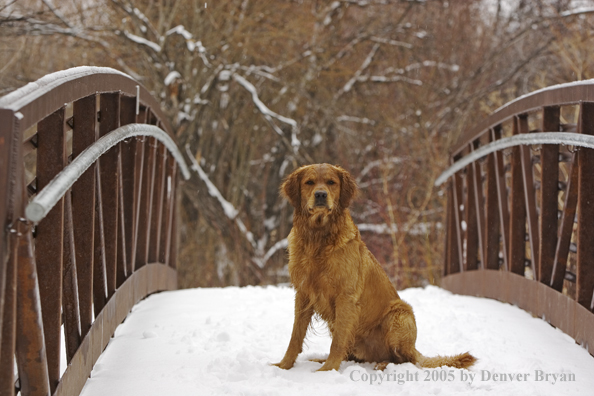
347	314
303	313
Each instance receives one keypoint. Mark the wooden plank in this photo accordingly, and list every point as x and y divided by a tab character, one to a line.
585	211
169	182
128	149
146	204
502	199
517	233
83	207
99	271
529	196
492	228
479	202
109	121
8	322
31	354
139	159
549	194
471	233
566	227
122	266
450	242
171	258
70	306
456	179
157	208
8	133
51	159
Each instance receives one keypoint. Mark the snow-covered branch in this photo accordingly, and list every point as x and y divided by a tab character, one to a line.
140	40
415	229
395	43
213	191
232	213
261	106
269	114
390	162
346	118
347	87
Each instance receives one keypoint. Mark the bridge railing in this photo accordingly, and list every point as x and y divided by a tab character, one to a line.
520	212
88	179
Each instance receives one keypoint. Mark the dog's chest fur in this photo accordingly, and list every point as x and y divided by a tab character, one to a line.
320	270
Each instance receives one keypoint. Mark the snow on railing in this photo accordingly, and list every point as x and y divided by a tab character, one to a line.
45	200
564	138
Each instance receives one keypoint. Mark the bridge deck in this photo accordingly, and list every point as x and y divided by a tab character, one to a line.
221	341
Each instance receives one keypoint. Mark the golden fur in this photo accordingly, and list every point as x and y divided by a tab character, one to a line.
337	277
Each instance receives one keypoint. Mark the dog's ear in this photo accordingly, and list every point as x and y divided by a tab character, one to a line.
348	187
291	188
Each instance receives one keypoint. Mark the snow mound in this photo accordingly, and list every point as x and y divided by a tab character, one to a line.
222	341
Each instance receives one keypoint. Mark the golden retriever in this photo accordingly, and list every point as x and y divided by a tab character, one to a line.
336	277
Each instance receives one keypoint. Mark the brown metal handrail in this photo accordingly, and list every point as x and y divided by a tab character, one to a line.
107	243
520	220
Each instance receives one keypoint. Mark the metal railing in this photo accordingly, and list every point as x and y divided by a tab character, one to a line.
88	180
520	213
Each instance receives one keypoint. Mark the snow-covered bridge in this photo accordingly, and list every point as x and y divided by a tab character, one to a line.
88	230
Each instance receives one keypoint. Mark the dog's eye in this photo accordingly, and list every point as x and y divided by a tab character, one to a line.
310	182
331	182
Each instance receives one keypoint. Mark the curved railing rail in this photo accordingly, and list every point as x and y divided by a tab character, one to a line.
91	155
45	200
520	208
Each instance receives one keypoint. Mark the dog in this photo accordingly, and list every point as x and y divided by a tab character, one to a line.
336	277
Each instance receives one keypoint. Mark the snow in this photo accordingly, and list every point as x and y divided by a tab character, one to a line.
222	341
563	138
549	88
179	29
171	77
19	98
213	191
415	229
140	40
261	106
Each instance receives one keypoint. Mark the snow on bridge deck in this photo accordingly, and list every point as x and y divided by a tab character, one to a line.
222	341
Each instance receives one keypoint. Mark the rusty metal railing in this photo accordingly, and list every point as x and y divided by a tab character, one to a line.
520	213
90	152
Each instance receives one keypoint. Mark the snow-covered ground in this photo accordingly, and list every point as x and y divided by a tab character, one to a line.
222	341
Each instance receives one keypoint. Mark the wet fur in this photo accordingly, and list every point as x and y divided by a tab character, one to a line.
336	277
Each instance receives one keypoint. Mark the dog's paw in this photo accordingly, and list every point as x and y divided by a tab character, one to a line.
283	365
329	367
318	360
381	366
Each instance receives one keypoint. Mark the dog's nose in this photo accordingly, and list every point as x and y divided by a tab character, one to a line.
321	195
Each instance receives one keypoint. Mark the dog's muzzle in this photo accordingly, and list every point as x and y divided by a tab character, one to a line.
321	198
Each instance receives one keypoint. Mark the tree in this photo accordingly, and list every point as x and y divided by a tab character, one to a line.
255	89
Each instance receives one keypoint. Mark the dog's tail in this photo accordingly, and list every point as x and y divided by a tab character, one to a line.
461	361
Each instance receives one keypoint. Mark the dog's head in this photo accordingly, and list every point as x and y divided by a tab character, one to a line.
319	190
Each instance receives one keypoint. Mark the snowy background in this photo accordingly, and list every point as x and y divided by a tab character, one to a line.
222	341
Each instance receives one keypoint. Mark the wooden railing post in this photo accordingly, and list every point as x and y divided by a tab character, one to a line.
472	232
110	120
492	227
585	211
83	207
517	233
549	193
51	159
30	343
